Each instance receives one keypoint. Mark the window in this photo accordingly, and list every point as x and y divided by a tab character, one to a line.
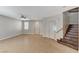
26	25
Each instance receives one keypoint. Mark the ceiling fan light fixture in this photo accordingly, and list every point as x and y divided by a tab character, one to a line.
24	17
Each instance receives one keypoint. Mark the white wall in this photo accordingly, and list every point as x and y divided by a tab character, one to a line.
47	27
73	17
33	27
59	25
52	25
9	27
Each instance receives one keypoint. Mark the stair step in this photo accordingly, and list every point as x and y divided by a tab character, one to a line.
70	42
73	30
73	33
71	36
74	26
72	46
71	39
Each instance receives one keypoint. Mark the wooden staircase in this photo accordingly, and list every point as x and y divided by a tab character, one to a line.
71	37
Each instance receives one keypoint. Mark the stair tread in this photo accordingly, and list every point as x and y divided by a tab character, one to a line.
71	36
74	40
69	33
73	31
70	42
72	46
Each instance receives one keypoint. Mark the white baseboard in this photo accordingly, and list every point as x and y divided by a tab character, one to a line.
3	38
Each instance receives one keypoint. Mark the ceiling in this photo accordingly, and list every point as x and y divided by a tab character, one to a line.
33	12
